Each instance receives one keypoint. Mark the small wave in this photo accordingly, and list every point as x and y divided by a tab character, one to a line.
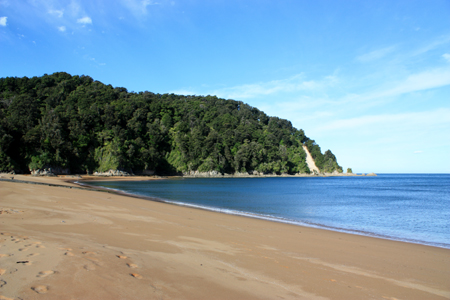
274	218
307	224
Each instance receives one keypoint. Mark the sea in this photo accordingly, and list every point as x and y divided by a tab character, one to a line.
413	208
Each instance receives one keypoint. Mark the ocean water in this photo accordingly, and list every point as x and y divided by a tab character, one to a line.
407	207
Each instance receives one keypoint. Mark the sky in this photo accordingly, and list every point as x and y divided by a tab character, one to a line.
369	80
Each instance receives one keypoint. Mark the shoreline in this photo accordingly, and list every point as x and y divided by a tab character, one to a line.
86	244
82	183
196	174
261	216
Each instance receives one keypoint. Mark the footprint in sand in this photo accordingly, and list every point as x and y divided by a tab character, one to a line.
40	246
68	253
89	252
40	289
2	283
121	256
45	273
95	261
136	275
23	249
89	267
132	265
32	254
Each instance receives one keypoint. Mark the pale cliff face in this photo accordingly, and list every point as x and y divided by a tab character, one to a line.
310	161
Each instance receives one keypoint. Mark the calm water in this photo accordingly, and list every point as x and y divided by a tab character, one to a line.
408	207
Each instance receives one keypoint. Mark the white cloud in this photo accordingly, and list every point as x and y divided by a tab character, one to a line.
3	21
442	40
85	20
291	84
74	8
418	82
58	13
313	94
146	3
62	28
430	79
387	141
93	60
392	122
138	7
446	56
374	55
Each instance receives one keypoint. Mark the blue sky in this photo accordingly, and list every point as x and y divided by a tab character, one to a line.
369	80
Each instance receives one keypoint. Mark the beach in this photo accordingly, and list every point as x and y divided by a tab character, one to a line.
70	243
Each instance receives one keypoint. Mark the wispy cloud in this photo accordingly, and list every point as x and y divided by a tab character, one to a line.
388	136
442	40
327	100
146	3
62	28
93	60
3	21
74	8
85	20
375	55
138	7
57	13
382	122
385	92
288	85
446	56
425	80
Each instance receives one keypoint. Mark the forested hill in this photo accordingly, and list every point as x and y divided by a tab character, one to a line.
81	125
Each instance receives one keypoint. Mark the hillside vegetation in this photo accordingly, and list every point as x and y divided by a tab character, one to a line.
79	125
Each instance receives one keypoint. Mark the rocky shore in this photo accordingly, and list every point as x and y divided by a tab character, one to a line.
209	174
260	174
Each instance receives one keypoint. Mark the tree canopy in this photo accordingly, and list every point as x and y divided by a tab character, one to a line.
83	125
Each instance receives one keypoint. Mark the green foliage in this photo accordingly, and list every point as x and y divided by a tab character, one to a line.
325	162
75	122
40	161
107	156
349	170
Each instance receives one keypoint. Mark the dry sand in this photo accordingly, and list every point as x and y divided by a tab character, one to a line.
310	161
62	243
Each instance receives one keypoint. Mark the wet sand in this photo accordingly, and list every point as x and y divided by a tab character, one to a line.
61	243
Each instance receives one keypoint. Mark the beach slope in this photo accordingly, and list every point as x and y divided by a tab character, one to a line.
67	243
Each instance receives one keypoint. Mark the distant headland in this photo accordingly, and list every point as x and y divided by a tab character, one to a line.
63	124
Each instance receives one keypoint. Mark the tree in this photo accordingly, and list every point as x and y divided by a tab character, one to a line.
76	122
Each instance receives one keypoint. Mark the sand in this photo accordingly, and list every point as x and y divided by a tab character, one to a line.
63	243
310	161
